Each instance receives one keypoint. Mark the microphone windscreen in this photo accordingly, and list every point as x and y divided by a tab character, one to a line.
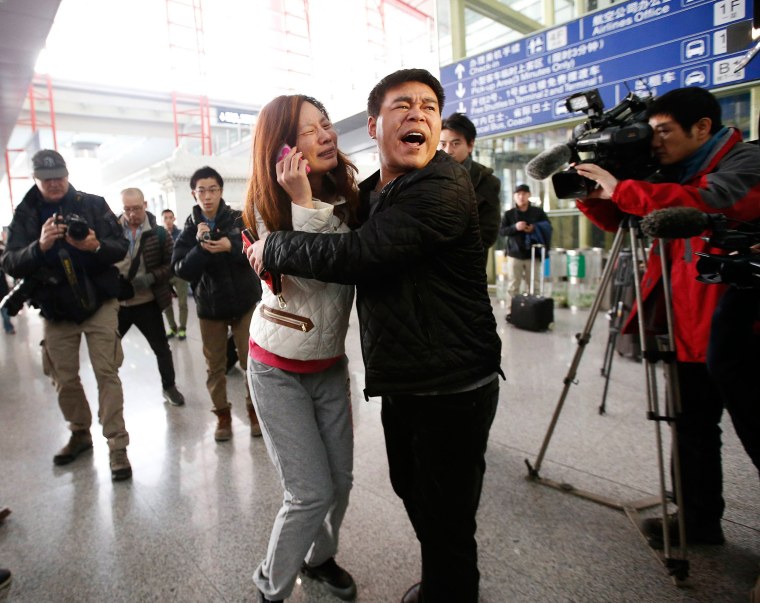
675	223
546	163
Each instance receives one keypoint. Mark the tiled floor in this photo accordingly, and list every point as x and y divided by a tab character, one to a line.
195	519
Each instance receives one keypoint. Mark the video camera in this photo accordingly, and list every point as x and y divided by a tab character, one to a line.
618	140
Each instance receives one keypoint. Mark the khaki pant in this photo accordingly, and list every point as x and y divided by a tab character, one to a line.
518	272
60	361
214	336
180	287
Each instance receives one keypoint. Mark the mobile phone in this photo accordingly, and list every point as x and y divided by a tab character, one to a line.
284	150
248	238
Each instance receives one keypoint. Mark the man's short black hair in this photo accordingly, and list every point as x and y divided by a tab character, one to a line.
167	211
687	106
203	173
402	76
459	122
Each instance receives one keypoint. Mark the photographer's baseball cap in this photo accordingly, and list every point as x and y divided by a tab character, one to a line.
49	164
522	188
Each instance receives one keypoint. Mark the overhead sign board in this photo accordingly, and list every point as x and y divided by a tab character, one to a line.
227	115
644	46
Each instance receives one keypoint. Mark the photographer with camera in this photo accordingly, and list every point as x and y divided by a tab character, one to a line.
209	254
64	244
703	165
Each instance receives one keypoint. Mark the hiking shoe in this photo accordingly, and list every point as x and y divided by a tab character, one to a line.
338	581
120	467
170	333
223	430
79	441
711	534
5	578
4	512
182	334
173	396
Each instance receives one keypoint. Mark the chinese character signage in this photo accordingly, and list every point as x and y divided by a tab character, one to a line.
644	46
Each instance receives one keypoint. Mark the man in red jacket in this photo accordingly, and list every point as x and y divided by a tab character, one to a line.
704	165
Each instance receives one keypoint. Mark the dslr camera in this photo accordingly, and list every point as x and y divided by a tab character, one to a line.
76	226
618	140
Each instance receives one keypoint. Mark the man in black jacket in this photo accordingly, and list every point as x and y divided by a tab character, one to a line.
524	225
428	332
209	254
64	244
458	139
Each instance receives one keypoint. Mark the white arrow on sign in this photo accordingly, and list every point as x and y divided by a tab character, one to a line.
461	108
461	90
459	70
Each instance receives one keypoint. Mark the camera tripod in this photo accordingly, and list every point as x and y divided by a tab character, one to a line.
677	566
622	279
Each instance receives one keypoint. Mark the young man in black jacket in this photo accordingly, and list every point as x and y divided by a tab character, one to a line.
428	331
63	243
209	254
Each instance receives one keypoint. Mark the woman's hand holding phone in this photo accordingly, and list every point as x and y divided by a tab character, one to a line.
292	169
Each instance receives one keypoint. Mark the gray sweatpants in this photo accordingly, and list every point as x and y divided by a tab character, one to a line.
306	422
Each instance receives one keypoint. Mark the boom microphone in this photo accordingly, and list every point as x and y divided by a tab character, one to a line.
676	223
546	163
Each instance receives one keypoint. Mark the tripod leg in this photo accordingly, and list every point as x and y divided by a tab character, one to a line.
583	339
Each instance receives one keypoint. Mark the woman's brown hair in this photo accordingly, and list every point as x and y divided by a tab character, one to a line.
276	125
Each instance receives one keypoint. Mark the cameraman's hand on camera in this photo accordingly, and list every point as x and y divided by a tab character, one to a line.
606	182
89	243
217	246
291	176
50	233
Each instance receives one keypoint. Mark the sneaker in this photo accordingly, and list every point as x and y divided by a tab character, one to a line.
4	512
5	578
79	442
651	528
263	599
338	581
170	333
120	467
173	396
182	334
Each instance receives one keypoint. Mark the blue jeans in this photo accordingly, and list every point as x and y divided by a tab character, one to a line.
305	419
436	454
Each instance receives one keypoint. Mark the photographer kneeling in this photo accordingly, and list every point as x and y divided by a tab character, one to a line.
63	243
704	165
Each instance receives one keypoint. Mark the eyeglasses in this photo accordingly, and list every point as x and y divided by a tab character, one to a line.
133	210
202	191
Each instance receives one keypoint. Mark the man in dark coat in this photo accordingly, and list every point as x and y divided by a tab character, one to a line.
209	254
64	243
428	331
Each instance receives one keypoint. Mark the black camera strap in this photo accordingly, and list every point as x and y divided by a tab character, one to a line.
135	260
85	302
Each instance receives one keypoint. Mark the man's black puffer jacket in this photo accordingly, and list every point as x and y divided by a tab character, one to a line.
24	259
425	316
224	284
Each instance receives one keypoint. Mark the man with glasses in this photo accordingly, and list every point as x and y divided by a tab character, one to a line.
703	164
63	243
209	254
145	273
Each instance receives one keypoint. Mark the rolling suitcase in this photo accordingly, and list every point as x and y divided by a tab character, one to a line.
533	312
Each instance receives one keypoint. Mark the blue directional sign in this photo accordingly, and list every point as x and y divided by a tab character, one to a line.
644	46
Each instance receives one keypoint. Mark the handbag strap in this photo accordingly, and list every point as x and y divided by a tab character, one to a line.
135	260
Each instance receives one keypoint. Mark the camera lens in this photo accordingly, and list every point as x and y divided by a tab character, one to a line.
206	236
